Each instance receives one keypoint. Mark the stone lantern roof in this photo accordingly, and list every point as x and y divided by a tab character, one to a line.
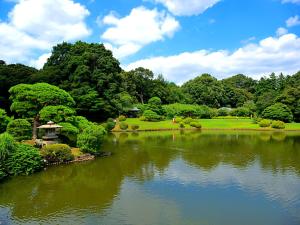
49	125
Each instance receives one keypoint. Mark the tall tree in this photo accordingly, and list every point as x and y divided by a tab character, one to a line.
29	99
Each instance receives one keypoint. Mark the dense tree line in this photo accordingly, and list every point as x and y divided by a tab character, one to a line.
101	89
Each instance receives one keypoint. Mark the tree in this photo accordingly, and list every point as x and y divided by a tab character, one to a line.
56	113
278	111
89	73
4	120
29	99
155	105
205	90
241	81
11	75
123	102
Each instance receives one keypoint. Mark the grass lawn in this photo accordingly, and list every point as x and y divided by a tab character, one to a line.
206	124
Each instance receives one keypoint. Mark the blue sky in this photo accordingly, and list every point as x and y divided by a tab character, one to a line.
179	39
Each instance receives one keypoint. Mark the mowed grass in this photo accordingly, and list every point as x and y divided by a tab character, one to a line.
237	123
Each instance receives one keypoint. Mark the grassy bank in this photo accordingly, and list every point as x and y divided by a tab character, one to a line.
242	124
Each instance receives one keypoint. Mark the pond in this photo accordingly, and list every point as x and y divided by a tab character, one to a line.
208	177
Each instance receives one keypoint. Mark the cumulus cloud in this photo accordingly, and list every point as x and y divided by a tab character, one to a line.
273	54
187	7
291	1
281	31
127	35
35	26
293	21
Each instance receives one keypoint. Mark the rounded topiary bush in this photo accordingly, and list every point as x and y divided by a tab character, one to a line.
264	123
181	125
278	124
123	126
178	119
20	129
109	125
122	118
151	116
196	125
57	153
187	120
278	111
90	139
24	160
135	127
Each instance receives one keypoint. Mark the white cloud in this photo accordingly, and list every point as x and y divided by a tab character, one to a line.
273	54
39	63
293	21
291	1
187	7
281	31
127	35
35	26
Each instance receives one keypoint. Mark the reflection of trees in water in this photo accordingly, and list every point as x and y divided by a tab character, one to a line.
93	185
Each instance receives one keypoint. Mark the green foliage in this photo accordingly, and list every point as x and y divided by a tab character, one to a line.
7	145
251	106
196	125
68	133
154	104
264	123
91	138
122	118
123	126
79	121
123	102
278	124
186	110
142	118
278	111
20	129
135	127
109	125
178	119
181	125
223	112
24	160
151	116
187	120
56	114
4	120
241	112
57	153
29	99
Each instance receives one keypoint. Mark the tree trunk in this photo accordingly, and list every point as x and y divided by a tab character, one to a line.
35	125
141	97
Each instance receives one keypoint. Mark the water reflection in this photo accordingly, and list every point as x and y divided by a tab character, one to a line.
265	164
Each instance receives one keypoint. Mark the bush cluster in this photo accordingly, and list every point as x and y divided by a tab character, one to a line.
122	118
152	116
278	124
57	153
186	110
187	120
135	127
181	125
278	111
196	125
20	129
123	126
264	123
109	125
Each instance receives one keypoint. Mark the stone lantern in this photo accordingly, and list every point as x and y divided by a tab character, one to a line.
51	130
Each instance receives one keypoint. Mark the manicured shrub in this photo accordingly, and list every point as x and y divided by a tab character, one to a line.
20	129
57	153
151	116
123	126
68	133
264	123
186	110
223	112
24	160
57	113
178	119
122	118
278	124
142	118
7	145
181	125
241	112
109	125
135	127
278	111
79	121
4	120
90	139
187	120
196	125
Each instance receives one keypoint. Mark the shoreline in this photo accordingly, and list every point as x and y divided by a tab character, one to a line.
207	129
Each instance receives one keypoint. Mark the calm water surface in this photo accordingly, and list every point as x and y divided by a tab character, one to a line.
167	178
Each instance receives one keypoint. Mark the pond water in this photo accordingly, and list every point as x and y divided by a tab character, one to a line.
189	177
